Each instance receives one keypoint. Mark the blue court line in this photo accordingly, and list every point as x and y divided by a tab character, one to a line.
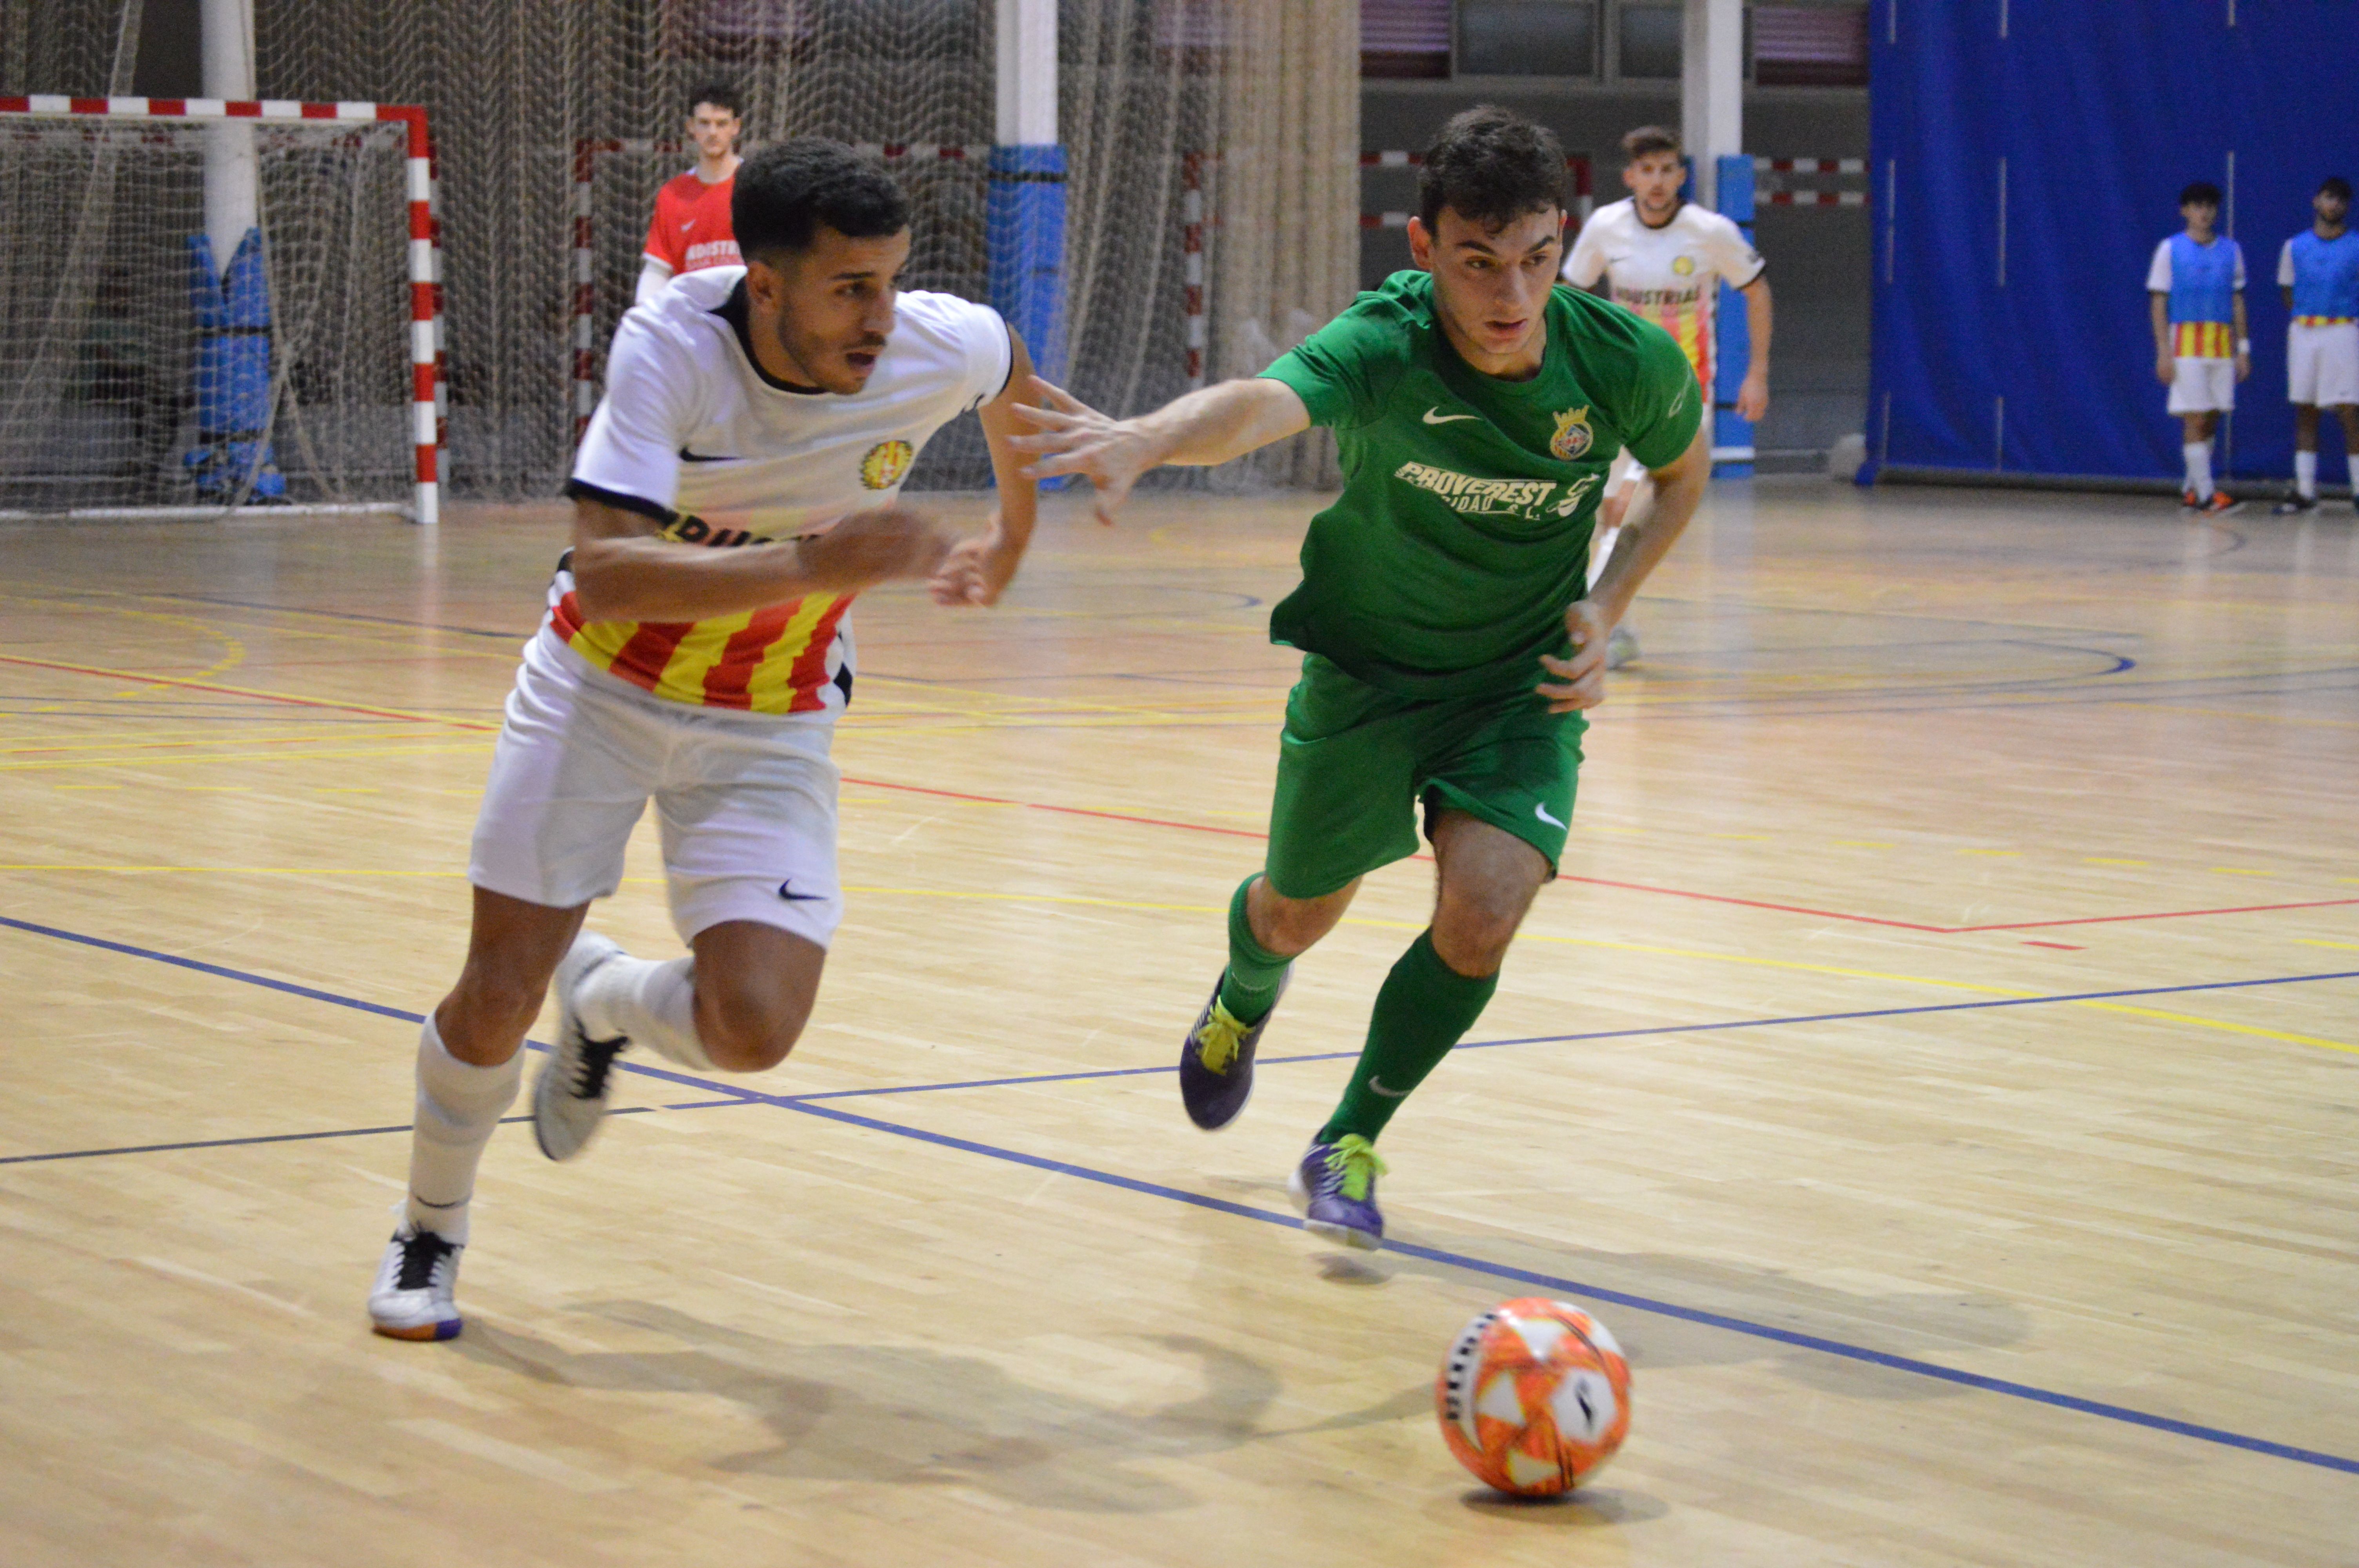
1615	1034
1744	1327
315	1137
1623	1298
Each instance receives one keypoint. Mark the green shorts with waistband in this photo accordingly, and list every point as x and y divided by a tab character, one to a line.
1355	764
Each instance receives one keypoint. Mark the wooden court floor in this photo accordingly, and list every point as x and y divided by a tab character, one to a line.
1939	1064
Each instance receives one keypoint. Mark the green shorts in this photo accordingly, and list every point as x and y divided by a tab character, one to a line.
1355	763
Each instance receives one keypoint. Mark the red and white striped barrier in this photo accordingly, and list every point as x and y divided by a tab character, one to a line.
1584	200
425	303
923	150
1785	196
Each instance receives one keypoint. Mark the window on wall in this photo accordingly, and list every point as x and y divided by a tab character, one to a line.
1650	41
1526	38
1405	37
1810	45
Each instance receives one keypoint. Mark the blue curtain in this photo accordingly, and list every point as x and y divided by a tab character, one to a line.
2021	182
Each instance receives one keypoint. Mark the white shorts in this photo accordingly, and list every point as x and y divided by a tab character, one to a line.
2323	364
747	802
2203	386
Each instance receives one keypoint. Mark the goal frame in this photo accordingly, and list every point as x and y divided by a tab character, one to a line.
427	392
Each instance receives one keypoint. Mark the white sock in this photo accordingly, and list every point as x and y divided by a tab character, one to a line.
459	1105
654	1005
2198	468
2305	475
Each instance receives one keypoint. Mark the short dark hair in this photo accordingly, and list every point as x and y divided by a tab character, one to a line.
789	190
2335	185
2203	193
1649	139
1491	167
720	95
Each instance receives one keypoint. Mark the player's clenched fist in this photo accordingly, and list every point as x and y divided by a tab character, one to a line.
873	547
1580	681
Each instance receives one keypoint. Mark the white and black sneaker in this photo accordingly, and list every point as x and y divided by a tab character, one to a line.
569	1098
412	1297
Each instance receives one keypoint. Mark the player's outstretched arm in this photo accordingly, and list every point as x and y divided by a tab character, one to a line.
1580	682
1198	430
624	571
979	569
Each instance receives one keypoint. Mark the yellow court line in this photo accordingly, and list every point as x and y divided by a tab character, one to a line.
1071	899
184	737
2318	942
230	660
483	745
2217	1024
295	699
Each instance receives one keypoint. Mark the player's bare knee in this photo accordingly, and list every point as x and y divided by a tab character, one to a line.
489	1004
1290	926
750	1029
1473	936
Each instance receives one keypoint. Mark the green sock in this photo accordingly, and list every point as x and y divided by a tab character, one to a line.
1249	987
1423	1009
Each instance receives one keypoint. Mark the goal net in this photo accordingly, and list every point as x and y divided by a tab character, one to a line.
206	306
547	112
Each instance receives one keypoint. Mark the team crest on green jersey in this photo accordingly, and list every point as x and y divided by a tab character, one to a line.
1472	495
1573	436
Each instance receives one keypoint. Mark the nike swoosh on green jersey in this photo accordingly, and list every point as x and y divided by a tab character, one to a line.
1434	416
1542	813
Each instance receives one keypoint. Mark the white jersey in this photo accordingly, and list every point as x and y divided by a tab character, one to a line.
1670	274
694	434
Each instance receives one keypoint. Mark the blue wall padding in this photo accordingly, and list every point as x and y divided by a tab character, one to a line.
1733	354
1025	218
232	372
2103	113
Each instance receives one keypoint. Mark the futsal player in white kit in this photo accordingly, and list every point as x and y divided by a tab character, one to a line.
736	489
1665	258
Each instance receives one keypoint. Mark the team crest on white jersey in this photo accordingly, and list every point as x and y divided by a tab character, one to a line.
1683	266
1573	436
884	464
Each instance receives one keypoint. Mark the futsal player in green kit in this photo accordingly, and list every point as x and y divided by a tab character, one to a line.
1450	640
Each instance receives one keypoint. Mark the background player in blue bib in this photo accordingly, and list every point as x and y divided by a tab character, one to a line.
2196	283
2319	270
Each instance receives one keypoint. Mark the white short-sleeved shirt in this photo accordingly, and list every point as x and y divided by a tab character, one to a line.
692	433
1670	274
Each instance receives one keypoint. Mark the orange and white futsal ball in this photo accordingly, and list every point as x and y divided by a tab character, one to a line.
1534	1397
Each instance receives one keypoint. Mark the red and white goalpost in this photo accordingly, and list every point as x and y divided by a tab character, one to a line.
144	374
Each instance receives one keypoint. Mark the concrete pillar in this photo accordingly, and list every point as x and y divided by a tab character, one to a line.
1025	211
1711	89
231	173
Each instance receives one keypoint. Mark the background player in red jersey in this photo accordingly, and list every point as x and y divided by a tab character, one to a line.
691	223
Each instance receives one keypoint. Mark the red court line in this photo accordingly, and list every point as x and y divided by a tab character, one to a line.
1061	810
1226	832
2165	914
138	679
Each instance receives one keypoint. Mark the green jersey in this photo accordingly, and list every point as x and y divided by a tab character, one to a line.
1462	532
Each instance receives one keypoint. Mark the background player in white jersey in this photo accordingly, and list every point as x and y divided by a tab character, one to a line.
2196	283
735	491
1665	258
